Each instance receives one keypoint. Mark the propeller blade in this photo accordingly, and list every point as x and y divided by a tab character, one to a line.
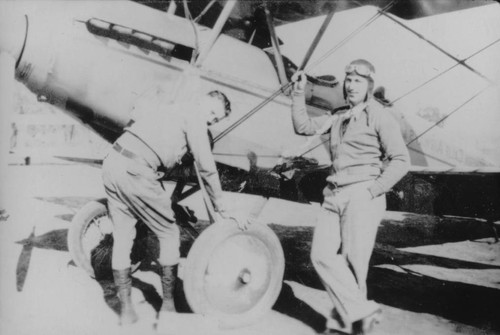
23	262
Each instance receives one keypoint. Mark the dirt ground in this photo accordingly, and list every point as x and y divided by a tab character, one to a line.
431	275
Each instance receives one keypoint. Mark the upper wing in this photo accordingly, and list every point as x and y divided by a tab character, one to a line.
441	72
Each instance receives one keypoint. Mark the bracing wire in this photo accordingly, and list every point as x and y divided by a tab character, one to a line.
425	131
458	62
343	42
252	112
289	84
425	83
437	47
445	71
448	115
351	35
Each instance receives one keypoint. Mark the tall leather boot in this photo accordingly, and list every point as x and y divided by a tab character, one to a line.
168	279
123	283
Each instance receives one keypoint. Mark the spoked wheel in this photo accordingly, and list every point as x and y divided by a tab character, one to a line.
90	239
233	275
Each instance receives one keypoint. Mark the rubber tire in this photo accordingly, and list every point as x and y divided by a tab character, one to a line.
78	226
197	262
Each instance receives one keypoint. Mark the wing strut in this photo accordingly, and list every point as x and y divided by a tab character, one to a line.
318	37
287	85
306	60
171	7
276	47
205	10
228	7
351	35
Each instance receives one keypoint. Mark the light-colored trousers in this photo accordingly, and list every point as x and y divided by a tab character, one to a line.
135	193
342	245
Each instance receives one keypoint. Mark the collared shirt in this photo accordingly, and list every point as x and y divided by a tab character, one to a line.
170	131
371	135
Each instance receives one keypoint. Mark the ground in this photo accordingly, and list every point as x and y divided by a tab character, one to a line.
428	280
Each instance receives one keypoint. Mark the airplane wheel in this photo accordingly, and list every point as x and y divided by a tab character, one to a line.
233	275
90	239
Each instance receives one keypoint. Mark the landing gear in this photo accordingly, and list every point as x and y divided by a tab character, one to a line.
232	275
90	239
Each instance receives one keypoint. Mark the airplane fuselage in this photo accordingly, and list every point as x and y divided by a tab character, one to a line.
105	67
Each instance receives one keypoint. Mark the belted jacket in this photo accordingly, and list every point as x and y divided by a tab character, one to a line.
173	130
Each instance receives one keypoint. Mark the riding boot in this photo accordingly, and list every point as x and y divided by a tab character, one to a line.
123	283
168	279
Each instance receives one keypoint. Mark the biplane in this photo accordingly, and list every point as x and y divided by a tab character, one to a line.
106	62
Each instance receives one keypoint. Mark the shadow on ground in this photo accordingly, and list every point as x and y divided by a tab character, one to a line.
417	230
293	307
469	304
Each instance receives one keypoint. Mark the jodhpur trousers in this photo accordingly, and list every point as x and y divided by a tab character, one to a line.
135	193
342	245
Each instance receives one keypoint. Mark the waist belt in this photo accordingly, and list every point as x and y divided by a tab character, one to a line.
129	154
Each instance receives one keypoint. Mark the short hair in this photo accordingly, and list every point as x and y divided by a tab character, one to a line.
223	98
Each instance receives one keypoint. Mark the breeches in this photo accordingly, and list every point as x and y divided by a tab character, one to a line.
342	245
135	193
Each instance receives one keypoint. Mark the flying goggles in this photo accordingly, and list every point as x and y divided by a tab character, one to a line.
361	70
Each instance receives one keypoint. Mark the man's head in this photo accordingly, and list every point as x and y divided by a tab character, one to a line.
359	81
216	106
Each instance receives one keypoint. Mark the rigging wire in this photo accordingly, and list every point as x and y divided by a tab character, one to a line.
439	75
445	71
341	43
448	115
437	47
425	83
289	84
458	62
380	12
252	112
351	35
